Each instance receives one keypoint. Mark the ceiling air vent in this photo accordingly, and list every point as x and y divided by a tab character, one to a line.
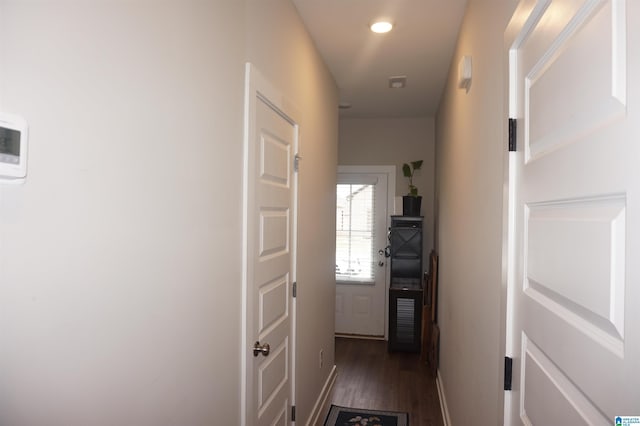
397	82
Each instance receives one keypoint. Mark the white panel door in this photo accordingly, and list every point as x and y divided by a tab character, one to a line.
270	257
574	295
361	268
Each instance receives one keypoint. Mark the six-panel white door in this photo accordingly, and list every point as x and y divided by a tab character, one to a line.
270	256
574	295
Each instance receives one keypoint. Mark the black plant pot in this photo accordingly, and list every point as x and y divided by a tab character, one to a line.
411	205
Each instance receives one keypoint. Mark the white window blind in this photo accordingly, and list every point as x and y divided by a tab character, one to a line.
355	232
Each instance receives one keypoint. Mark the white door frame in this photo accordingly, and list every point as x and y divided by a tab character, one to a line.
390	171
256	86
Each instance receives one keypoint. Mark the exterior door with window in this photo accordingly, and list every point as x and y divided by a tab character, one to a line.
361	238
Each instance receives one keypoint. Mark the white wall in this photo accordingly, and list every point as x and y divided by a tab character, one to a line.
120	271
470	152
394	141
120	274
283	51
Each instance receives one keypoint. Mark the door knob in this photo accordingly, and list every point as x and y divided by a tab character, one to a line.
380	263
258	349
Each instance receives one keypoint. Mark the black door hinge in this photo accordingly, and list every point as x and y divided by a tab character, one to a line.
513	131
295	289
293	413
296	163
508	373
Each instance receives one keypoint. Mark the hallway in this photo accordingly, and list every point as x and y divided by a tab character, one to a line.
370	377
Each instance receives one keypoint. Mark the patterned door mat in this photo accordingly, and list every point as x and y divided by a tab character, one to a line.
345	416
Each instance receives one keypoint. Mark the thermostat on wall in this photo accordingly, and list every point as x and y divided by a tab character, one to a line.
13	148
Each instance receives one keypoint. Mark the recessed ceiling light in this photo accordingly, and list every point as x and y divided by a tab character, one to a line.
381	27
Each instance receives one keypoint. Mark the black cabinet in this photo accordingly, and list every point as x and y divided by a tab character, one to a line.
405	243
405	319
405	292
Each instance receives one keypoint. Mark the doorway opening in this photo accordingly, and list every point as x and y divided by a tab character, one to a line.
364	203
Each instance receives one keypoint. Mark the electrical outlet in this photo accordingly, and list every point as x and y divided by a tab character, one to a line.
321	358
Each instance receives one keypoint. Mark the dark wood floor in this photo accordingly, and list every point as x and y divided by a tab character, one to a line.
370	377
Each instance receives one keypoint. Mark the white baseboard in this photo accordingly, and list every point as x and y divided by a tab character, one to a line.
446	418
321	407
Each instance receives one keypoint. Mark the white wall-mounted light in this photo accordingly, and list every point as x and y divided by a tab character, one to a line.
381	26
464	73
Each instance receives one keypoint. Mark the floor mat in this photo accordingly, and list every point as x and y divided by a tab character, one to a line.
346	416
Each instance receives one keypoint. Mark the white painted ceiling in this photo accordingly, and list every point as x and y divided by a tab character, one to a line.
419	47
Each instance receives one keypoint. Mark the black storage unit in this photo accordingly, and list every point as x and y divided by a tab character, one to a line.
405	292
405	243
405	319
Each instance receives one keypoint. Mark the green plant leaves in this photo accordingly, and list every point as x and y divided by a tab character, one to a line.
406	170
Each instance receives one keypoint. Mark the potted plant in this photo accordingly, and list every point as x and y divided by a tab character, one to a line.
412	201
